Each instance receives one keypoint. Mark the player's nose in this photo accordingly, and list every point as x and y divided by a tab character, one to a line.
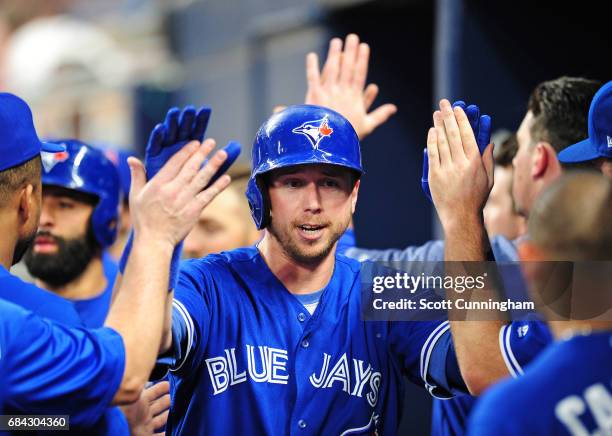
46	215
311	198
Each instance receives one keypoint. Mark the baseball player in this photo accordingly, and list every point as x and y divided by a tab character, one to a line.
89	368
567	390
508	347
269	339
78	222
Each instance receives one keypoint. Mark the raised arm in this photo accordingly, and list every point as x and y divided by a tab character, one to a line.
163	211
460	180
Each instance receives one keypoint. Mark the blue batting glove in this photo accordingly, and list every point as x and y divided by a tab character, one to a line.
170	136
165	140
481	125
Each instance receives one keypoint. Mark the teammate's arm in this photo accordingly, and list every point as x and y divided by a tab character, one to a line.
454	158
164	211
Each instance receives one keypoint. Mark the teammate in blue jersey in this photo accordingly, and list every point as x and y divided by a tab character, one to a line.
50	368
567	390
78	223
161	219
275	331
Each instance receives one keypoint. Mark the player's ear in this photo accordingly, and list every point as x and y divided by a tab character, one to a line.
28	201
541	159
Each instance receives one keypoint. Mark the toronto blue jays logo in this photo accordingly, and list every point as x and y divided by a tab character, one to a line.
315	131
49	160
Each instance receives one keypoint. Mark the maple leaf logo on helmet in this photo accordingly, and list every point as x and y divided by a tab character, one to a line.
49	160
315	131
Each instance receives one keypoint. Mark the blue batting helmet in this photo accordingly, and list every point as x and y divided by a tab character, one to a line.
86	169
302	134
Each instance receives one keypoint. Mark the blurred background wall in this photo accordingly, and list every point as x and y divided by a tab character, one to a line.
106	71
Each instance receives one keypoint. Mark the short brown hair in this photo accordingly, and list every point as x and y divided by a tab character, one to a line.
15	178
560	109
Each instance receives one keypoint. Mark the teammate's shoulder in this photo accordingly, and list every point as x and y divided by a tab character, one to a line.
488	412
40	301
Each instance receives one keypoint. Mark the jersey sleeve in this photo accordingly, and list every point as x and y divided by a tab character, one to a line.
190	319
427	356
521	341
431	251
49	368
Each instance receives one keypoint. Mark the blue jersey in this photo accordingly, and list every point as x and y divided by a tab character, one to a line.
93	311
49	368
520	342
248	358
43	303
566	391
50	306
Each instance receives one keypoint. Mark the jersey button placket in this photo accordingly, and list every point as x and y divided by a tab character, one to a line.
301	317
302	424
305	343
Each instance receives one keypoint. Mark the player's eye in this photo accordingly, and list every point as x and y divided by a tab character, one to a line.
331	183
65	204
293	183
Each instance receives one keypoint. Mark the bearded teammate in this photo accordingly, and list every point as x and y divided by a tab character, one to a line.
78	222
78	371
268	339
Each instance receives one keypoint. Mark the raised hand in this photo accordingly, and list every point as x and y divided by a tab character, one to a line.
460	178
341	85
168	206
168	137
481	126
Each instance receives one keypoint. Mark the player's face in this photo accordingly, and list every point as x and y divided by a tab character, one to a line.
522	165
62	247
499	215
223	225
311	207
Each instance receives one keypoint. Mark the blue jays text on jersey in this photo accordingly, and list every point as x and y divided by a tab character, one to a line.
249	358
567	390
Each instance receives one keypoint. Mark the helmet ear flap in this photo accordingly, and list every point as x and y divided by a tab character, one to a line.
262	185
259	202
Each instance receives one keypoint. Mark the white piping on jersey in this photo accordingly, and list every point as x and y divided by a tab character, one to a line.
506	350
190	329
427	349
360	429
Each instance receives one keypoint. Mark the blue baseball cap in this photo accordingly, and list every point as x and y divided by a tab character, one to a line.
599	142
19	142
